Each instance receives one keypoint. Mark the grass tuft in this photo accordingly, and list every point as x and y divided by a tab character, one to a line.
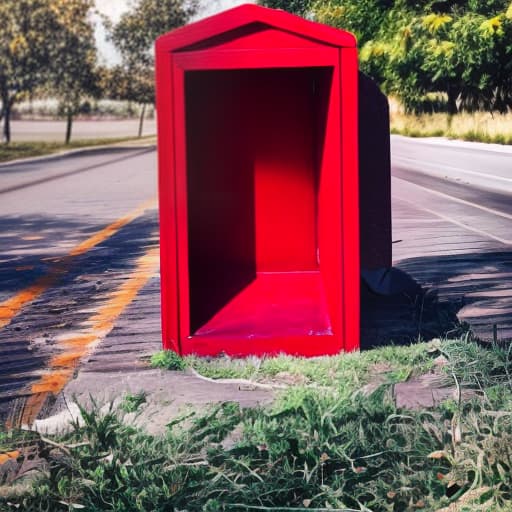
168	360
132	403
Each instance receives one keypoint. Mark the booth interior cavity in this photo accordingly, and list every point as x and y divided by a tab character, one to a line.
255	163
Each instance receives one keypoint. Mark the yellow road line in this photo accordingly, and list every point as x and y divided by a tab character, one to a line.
74	346
8	456
11	307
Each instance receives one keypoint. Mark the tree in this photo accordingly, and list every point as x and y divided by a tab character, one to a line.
132	85
134	36
458	49
300	7
26	29
45	42
462	55
364	18
73	58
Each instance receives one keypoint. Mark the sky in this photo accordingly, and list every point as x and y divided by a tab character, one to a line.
115	8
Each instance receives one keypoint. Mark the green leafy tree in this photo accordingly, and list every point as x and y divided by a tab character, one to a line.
300	7
45	42
73	58
459	49
26	31
133	85
364	18
134	36
460	55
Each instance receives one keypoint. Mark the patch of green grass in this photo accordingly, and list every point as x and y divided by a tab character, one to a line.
347	372
317	447
16	150
314	450
167	360
132	403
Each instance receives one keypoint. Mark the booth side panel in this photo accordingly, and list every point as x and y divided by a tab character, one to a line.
180	160
374	168
329	203
167	203
350	195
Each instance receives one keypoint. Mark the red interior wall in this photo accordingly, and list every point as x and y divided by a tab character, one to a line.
281	113
220	192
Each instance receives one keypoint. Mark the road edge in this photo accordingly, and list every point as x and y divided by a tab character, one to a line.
466	144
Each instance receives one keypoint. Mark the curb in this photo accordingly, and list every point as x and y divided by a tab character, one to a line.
457	143
77	151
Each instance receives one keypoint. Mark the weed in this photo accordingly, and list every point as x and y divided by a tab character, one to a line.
167	360
132	403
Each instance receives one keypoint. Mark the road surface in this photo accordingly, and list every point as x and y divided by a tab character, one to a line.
79	253
79	277
55	131
452	217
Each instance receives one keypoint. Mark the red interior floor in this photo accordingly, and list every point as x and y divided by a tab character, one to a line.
276	304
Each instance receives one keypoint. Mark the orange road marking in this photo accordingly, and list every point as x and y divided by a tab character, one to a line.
76	345
11	307
5	457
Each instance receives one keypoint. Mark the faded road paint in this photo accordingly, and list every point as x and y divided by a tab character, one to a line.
8	456
12	306
76	345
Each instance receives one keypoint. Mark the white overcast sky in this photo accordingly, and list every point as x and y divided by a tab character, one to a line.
115	8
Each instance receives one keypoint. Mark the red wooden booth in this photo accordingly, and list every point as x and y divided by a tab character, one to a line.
258	179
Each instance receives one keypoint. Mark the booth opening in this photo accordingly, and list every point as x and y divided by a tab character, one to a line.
258	180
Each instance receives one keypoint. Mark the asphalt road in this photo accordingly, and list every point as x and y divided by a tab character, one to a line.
470	184
54	131
452	223
78	243
48	206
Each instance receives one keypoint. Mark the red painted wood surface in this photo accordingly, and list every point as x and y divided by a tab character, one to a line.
257	133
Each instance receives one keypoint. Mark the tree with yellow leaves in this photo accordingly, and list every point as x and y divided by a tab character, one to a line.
73	60
45	42
24	52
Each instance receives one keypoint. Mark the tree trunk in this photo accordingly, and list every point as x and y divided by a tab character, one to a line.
452	101
141	120
7	121
69	126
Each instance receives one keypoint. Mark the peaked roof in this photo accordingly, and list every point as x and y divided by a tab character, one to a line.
246	14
